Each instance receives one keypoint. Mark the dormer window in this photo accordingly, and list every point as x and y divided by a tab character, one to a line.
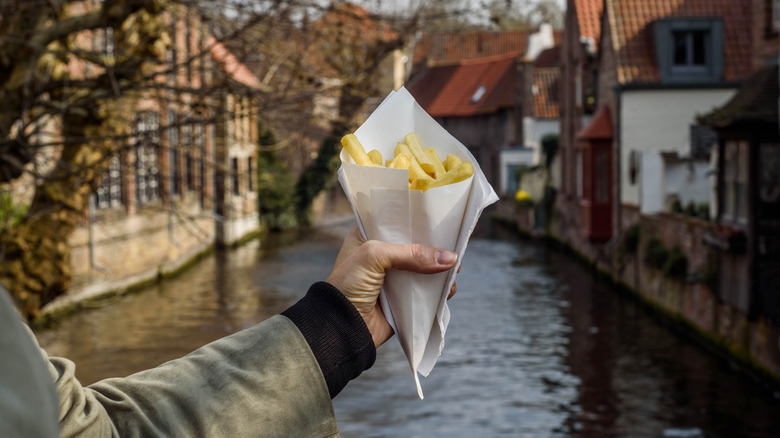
689	50
478	94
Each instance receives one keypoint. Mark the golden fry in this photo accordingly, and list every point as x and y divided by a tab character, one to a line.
451	162
426	169
417	152
459	173
375	156
401	148
416	174
356	151
438	167
401	161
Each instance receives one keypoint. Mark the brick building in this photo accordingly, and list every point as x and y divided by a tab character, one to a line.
480	87
636	76
186	180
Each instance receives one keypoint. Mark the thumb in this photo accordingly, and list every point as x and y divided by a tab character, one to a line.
413	257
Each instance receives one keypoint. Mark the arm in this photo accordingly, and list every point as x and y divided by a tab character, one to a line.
263	381
274	379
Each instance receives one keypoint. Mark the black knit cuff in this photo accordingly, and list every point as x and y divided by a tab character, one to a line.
335	332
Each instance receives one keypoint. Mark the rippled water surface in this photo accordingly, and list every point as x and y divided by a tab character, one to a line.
535	348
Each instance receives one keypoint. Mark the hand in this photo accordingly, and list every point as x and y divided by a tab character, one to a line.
359	273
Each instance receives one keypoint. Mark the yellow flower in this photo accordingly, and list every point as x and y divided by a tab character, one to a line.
522	196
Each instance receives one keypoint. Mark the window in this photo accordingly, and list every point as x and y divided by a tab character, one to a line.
189	164
601	176
108	43
173	156
735	178
109	192
478	94
250	176
234	172
200	142
147	139
512	183
689	50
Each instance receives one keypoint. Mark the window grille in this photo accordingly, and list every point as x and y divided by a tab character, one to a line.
109	192
147	174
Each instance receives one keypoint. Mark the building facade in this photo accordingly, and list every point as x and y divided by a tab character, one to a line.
186	179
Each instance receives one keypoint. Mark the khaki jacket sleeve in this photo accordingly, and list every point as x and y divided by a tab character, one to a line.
263	381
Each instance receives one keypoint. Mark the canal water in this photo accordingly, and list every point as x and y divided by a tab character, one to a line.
536	348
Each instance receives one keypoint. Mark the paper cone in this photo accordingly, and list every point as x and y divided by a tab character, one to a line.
444	217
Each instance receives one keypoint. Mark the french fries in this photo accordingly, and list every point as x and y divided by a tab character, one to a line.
375	156
355	149
426	169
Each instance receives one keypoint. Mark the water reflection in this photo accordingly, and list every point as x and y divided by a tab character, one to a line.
536	348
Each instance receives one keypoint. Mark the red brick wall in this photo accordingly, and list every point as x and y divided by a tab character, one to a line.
766	44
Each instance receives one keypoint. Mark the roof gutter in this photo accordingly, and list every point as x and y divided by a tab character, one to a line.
635	86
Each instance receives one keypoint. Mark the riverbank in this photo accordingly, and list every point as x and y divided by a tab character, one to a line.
110	260
687	304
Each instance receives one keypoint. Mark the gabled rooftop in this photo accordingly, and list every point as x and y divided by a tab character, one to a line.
467	88
453	46
589	19
630	23
231	65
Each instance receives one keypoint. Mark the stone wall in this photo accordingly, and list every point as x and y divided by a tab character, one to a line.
112	251
690	303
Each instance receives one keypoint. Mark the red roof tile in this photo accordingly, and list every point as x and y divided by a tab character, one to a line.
631	21
548	58
545	92
232	65
599	127
448	90
589	18
454	46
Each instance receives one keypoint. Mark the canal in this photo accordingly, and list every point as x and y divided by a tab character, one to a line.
536	347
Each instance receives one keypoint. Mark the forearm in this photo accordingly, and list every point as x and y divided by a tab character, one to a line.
274	379
336	334
262	381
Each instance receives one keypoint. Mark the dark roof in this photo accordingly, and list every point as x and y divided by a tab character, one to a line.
545	92
548	58
755	102
454	90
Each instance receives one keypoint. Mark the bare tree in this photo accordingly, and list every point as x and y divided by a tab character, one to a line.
39	45
71	70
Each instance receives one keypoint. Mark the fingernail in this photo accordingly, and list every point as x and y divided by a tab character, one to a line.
445	257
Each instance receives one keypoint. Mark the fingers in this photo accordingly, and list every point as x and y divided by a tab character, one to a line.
453	290
413	257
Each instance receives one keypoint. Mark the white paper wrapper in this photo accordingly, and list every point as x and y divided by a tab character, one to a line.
387	210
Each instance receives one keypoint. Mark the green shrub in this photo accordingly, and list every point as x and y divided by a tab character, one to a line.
275	186
676	265
631	239
690	209
656	253
704	211
11	214
677	206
